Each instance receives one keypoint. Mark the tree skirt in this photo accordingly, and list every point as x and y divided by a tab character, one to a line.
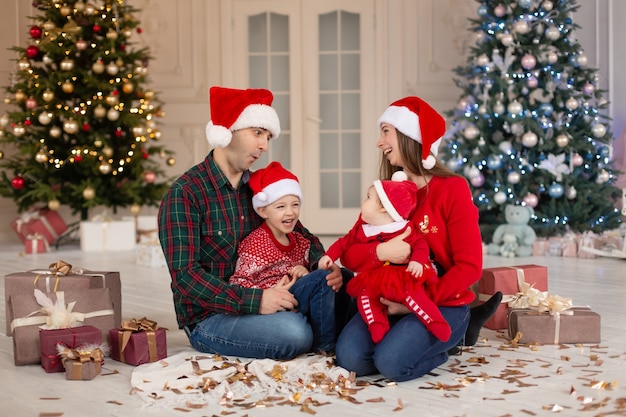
191	380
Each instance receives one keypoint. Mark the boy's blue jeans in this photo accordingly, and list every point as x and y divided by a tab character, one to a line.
282	335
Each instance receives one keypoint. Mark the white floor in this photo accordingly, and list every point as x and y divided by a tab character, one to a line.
491	379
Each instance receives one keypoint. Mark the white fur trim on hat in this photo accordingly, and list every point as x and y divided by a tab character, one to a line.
384	199
276	191
258	115
403	119
218	136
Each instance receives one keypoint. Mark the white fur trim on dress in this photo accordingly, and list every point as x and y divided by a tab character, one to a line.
258	115
402	119
276	191
384	199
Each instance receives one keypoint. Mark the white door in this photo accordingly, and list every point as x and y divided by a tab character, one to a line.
318	58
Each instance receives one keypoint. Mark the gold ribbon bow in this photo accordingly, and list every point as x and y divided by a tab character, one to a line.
60	267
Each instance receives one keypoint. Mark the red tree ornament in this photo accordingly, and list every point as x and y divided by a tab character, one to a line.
18	182
35	32
32	51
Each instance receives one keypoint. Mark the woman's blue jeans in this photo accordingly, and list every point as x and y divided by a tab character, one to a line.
282	335
408	350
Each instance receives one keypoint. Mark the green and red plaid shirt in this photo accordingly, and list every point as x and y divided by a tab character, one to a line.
202	219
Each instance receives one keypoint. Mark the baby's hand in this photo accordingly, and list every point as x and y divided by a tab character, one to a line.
325	262
415	268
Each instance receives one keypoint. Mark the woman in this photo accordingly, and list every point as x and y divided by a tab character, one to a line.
410	134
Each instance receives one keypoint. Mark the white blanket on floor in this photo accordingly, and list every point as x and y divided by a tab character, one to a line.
190	379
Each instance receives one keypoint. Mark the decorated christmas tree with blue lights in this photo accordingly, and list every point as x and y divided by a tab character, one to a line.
528	127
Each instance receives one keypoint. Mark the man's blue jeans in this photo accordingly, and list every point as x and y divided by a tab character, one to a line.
408	350
282	335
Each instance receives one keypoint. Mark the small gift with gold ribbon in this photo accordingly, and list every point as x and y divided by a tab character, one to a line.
512	281
70	338
36	243
83	362
138	341
554	321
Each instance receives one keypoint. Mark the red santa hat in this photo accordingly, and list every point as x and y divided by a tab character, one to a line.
418	120
233	109
272	183
398	196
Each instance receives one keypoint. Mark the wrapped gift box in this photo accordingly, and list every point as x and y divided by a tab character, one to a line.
147	228
136	345
150	254
45	222
71	338
47	281
105	236
509	281
94	303
36	244
576	325
82	371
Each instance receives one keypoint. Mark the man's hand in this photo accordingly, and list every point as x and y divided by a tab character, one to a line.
395	250
278	298
394	308
334	278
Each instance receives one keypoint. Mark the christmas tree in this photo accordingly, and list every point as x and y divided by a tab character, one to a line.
528	127
84	129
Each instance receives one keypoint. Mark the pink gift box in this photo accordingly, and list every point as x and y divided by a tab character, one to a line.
508	280
45	222
576	325
35	244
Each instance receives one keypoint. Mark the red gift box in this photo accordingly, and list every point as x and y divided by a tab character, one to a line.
575	325
36	244
508	280
71	338
93	306
45	222
62	277
136	344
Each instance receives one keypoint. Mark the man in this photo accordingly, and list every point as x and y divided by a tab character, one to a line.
202	219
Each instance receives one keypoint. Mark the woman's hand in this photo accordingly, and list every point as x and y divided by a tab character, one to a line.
394	308
395	250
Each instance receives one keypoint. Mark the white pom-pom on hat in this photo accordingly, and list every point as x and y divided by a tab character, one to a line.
399	176
218	136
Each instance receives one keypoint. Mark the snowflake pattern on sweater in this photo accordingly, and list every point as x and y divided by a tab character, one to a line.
263	260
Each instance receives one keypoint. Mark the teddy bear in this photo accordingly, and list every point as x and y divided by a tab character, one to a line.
515	237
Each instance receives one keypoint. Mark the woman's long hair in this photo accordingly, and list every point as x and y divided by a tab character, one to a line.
411	152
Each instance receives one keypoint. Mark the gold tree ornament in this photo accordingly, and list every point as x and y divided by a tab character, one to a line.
54	204
89	193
